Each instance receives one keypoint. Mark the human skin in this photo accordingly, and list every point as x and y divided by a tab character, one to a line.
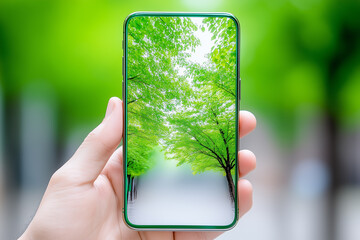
84	198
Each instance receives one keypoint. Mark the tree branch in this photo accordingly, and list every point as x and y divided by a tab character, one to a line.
132	101
217	156
227	160
226	90
131	78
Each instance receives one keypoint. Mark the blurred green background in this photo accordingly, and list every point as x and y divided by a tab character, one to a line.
60	62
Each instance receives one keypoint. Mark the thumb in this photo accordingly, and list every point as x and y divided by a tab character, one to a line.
92	155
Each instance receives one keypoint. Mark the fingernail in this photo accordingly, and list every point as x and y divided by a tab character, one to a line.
110	108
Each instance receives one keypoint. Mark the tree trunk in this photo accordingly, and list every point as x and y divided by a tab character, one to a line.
230	183
130	187
132	191
134	187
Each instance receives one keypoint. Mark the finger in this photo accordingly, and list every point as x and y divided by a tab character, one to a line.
247	122
114	171
247	162
245	192
92	155
197	235
159	235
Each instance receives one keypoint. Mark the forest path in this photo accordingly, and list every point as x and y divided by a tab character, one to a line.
172	195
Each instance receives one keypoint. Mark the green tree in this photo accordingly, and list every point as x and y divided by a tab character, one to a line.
157	48
203	133
203	129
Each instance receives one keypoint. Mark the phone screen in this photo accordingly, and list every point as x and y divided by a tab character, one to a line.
181	110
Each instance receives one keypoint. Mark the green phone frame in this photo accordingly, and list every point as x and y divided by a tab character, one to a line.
124	93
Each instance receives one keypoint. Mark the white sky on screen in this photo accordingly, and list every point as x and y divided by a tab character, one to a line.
205	42
199	56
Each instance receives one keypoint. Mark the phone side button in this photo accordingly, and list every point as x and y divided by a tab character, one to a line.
123	80
123	68
239	89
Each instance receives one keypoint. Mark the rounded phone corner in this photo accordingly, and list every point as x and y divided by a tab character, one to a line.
128	18
233	224
233	18
128	223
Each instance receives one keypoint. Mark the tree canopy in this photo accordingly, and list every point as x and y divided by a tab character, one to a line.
155	47
185	106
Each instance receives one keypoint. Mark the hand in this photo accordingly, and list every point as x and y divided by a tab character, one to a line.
84	198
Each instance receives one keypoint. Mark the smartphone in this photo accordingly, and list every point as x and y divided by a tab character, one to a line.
181	101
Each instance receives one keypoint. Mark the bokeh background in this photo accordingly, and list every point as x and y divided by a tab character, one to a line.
60	62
